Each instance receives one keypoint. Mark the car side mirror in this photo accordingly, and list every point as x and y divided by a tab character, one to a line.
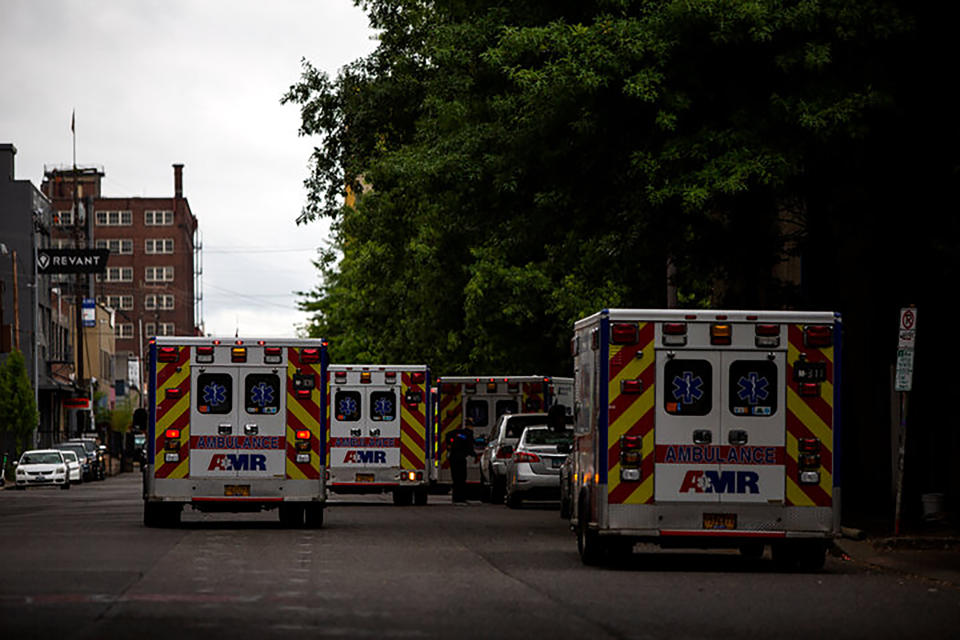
16	462
563	447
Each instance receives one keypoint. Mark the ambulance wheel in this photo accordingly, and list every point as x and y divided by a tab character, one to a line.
314	516
291	515
589	544
513	500
161	514
498	489
485	492
420	496
402	496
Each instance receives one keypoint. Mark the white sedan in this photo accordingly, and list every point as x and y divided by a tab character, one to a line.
42	468
74	470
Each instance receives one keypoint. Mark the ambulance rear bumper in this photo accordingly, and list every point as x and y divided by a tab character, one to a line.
688	520
234	490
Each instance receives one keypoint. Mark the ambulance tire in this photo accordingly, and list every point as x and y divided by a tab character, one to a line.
403	496
498	490
314	516
291	515
513	500
589	544
161	515
485	492
420	496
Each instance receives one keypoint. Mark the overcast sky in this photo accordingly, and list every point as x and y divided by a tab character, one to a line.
196	82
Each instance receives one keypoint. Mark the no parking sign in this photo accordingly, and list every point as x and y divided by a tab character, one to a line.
905	346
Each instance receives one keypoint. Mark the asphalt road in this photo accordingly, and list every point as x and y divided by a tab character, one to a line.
79	564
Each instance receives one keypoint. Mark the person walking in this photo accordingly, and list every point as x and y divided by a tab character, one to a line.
460	445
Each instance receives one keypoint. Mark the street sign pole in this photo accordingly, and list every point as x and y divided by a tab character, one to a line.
903	384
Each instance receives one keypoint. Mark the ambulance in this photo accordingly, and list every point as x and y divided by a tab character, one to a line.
484	399
380	430
707	429
235	425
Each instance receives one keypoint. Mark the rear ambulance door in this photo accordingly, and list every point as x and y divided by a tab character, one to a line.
383	409
753	426
688	423
262	415
214	417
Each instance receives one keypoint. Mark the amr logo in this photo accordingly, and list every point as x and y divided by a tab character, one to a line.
238	462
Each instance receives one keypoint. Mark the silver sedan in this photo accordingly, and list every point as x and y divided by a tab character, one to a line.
534	470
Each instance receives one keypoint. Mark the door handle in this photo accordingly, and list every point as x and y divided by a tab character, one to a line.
354	432
375	432
738	437
224	429
702	436
250	429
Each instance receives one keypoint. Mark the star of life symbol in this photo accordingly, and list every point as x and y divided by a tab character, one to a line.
752	388
347	406
383	407
262	394
214	394
687	388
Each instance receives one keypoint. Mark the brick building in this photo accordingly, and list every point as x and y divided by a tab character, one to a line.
152	277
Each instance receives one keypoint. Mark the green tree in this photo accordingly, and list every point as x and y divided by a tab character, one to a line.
18	406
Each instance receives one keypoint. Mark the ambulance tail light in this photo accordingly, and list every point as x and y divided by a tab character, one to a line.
767	335
172	439
492	386
631	458
365	377
167	354
513	387
818	335
302	441
340	377
238	354
309	355
390	377
525	456
809	389
674	334
272	355
204	355
809	461
624	333
418	377
449	387
470	387
173	393
721	333
631	387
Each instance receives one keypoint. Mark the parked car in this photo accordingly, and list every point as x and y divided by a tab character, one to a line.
534	469
499	449
86	466
74	472
96	453
42	468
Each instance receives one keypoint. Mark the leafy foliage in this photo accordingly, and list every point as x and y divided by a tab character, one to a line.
18	406
518	165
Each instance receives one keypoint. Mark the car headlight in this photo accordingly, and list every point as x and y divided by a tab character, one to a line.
21	472
61	469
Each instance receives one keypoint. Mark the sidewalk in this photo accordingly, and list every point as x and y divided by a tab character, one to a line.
928	550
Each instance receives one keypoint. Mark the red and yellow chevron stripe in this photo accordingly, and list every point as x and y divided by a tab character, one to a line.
809	417
451	418
631	414
413	425
173	412
534	398
303	413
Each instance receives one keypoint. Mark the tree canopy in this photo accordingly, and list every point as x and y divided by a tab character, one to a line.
513	166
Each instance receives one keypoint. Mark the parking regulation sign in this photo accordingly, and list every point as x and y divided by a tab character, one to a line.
905	345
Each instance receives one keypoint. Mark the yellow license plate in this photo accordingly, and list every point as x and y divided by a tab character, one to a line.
719	521
236	490
365	477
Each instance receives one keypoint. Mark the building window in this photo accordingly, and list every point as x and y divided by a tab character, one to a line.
152	302
63	243
159	245
64	218
158	274
114	218
158	218
123	330
118	274
162	329
123	247
124	303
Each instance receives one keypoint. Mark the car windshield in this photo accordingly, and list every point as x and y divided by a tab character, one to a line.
41	457
76	448
70	456
517	424
547	437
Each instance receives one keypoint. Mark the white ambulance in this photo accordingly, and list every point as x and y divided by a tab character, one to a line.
484	399
380	430
707	428
235	424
